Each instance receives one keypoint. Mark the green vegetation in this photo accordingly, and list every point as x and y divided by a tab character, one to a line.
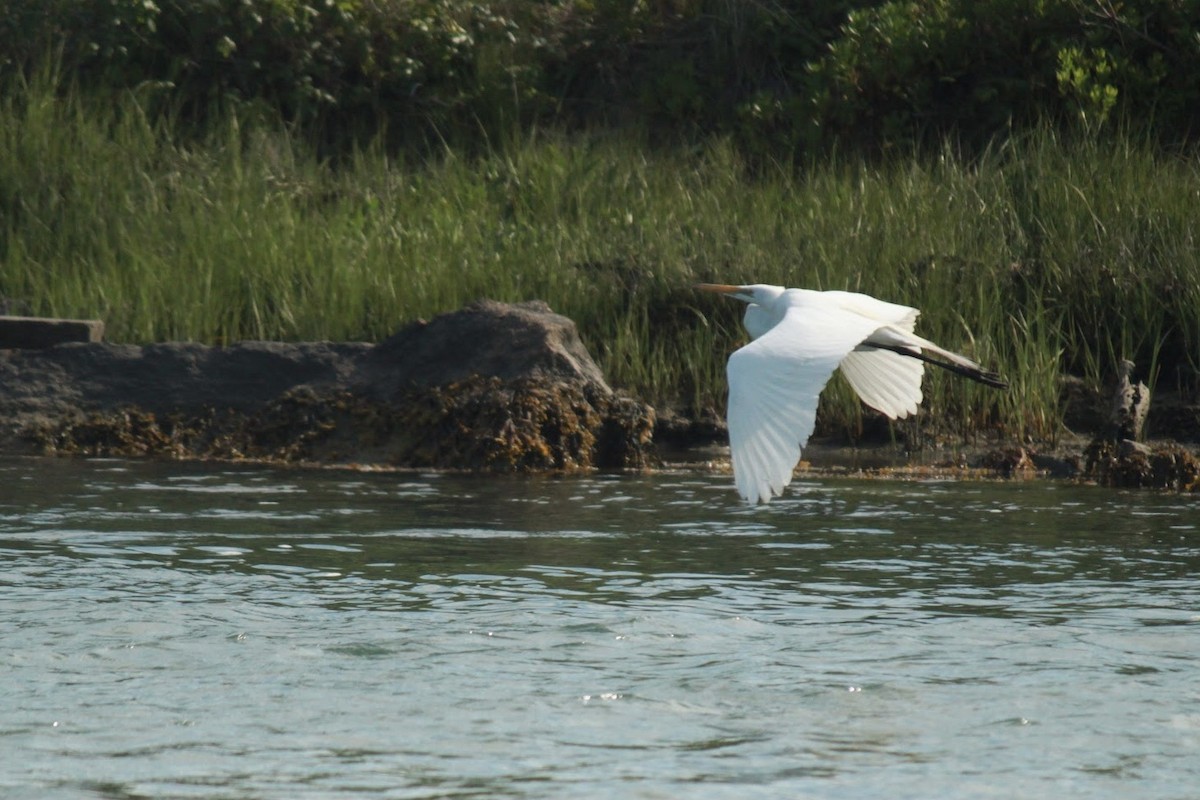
279	169
1040	255
779	77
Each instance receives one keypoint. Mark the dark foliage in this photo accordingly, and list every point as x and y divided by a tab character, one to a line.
781	77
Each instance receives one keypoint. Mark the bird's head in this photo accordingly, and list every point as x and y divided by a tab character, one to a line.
760	294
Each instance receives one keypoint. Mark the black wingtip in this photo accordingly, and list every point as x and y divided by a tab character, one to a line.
983	376
992	379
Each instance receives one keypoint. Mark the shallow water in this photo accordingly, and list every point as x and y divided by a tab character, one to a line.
211	632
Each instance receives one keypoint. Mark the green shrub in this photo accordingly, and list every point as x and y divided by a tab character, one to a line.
781	78
912	71
917	70
344	64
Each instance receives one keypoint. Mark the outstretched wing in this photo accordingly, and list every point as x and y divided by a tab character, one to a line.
774	384
884	380
881	311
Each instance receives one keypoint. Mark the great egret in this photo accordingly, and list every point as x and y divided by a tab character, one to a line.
800	337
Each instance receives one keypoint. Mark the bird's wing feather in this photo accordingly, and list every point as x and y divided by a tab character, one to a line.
895	336
886	381
774	384
881	311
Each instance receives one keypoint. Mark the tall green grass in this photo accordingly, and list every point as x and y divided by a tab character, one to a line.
1042	255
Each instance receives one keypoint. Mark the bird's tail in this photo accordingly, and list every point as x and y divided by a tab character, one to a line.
913	346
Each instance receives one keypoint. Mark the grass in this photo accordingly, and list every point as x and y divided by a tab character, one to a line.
1045	254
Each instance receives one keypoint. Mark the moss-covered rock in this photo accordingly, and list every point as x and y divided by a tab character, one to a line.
1137	465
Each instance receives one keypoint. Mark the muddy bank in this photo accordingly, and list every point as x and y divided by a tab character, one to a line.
491	387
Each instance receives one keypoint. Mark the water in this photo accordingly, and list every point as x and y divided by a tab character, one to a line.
183	631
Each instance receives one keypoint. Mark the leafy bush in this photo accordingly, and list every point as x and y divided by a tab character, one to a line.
780	76
357	64
920	69
1145	55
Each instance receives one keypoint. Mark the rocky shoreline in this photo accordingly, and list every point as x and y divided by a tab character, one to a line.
492	387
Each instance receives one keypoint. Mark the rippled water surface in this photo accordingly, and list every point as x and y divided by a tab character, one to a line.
201	632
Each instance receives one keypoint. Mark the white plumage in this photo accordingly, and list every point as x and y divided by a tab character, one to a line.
799	338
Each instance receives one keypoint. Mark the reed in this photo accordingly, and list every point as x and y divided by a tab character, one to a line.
1042	255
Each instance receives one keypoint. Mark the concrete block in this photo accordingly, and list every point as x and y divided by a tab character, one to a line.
41	332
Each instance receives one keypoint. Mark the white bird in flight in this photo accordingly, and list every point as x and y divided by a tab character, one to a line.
800	337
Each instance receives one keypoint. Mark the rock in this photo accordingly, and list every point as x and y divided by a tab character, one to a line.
522	424
491	387
40	332
1116	458
1127	448
1129	407
689	437
180	377
523	340
1131	464
1055	466
1009	462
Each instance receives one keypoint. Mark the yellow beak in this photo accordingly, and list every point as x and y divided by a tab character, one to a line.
719	288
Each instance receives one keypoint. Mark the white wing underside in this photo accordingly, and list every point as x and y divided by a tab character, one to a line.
776	380
888	382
